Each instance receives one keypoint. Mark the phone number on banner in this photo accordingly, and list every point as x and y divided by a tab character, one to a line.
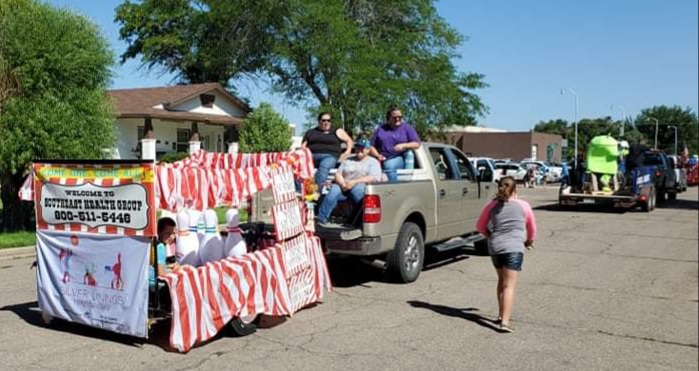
91	216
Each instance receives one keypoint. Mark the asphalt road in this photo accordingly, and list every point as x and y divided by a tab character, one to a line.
601	291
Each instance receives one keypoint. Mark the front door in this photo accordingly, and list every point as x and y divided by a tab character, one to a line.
449	194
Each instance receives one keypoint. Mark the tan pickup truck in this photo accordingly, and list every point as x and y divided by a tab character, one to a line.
436	204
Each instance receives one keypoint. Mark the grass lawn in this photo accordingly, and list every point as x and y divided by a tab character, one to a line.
17	239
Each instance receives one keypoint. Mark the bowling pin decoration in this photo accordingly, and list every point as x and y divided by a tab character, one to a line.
187	244
211	248
235	243
195	216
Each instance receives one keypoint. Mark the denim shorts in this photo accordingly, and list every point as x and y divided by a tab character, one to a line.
510	260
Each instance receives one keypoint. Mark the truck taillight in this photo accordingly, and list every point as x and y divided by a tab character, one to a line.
372	209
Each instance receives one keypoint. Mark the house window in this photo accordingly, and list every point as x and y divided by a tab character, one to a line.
206	143
207	100
183	136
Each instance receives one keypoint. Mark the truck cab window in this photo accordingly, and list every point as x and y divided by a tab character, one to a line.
464	165
441	163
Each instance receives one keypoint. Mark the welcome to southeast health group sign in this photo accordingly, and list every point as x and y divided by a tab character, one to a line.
94	223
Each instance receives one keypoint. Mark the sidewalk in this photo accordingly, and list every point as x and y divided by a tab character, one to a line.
17	253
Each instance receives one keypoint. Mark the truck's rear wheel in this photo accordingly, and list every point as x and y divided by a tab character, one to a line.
660	195
404	262
649	205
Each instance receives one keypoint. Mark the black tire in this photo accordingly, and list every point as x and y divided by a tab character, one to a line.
672	195
240	329
649	205
660	195
405	261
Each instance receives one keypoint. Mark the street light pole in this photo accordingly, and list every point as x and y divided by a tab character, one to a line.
656	131
674	127
623	119
575	154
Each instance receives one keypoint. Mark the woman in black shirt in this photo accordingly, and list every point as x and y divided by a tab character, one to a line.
325	141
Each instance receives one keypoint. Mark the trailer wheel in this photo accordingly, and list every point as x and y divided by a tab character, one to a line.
404	262
241	328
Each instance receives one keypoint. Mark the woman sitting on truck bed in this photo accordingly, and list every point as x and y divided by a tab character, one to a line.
392	140
350	181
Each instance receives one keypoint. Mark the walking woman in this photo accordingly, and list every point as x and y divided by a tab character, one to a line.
510	227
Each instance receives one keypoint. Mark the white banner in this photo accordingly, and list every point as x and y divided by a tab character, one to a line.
283	186
287	220
96	280
123	206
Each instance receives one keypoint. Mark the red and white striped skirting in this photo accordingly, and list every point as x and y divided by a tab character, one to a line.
205	299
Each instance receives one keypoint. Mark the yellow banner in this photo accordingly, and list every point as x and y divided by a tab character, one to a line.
136	174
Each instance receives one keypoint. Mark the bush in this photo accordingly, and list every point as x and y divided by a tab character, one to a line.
174	157
265	131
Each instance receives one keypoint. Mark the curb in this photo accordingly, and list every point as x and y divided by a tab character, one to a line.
17	252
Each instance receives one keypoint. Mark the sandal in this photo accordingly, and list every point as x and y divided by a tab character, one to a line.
506	328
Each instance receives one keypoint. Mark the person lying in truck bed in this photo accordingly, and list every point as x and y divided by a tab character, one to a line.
350	180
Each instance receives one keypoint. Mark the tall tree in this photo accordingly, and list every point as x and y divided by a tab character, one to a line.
558	126
61	111
350	57
198	40
684	119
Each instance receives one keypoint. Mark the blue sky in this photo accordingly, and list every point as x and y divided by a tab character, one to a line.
629	53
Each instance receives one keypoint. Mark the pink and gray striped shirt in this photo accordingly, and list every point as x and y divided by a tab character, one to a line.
510	223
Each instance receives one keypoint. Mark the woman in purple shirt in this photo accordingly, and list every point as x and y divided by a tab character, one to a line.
391	140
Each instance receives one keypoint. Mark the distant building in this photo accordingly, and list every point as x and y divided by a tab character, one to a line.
503	144
474	129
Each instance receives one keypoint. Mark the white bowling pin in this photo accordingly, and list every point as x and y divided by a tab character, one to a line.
186	247
195	216
235	243
211	248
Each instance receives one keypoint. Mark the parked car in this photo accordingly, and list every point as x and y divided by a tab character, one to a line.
693	170
665	179
503	161
486	169
552	175
680	172
515	170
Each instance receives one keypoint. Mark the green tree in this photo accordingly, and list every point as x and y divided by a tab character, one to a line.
198	41
558	126
352	58
60	111
684	119
264	130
